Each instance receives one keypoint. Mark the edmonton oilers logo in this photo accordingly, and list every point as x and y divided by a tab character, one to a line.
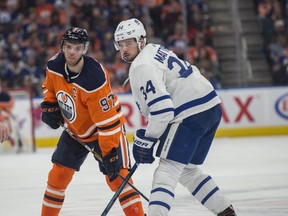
281	106
66	105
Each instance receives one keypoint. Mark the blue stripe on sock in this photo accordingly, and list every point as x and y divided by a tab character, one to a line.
200	185
209	195
160	204
163	190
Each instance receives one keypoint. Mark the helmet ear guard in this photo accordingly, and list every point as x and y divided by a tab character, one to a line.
127	29
116	45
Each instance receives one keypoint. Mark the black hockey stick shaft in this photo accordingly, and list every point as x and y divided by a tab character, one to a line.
96	155
99	158
119	190
141	194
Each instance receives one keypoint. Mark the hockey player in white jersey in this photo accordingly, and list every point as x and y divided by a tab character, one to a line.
183	112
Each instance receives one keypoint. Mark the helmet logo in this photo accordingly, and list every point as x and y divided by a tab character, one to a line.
137	21
78	30
120	27
76	34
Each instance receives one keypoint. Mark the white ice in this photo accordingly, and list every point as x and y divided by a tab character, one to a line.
252	172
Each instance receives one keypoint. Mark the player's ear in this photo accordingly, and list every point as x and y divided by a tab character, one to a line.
142	42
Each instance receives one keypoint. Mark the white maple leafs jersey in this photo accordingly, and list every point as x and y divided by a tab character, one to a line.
168	89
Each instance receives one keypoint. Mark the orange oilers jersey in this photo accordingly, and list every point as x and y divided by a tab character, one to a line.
6	105
87	103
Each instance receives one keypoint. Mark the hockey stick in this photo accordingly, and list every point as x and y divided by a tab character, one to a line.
119	190
99	158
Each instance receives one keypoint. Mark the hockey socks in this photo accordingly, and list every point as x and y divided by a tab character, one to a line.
52	201
58	179
204	189
129	199
165	180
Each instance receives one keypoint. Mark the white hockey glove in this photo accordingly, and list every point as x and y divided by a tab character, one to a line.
143	147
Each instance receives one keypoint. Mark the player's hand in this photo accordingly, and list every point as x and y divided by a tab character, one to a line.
112	164
4	132
143	147
51	114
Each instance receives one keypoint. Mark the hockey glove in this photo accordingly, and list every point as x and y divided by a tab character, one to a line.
112	164
51	114
143	147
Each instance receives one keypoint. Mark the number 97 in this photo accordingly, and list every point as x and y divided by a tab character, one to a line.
104	102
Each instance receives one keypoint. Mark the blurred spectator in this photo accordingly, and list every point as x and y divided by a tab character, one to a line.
16	69
201	51
277	47
205	57
280	68
108	46
3	64
151	37
32	71
177	40
43	13
207	69
273	18
120	69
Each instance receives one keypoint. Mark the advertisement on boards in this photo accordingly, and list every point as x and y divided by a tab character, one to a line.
246	112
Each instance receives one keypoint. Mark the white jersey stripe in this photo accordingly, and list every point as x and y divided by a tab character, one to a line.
108	133
169	139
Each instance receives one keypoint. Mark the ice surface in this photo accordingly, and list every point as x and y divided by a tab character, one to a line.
252	172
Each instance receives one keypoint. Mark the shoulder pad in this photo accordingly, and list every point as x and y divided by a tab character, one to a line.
92	75
57	63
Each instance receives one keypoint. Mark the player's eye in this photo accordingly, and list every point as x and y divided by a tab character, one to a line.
127	44
76	49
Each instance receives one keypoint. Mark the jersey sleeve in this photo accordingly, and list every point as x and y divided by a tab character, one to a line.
105	112
151	94
48	88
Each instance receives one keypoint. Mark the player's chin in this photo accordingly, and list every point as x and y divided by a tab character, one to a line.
72	62
127	58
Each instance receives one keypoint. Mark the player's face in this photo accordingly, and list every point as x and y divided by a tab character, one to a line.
128	49
73	52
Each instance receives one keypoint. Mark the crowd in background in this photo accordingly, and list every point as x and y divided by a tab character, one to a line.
273	16
31	31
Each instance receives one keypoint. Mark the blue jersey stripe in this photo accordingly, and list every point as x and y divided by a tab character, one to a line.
162	111
158	99
195	102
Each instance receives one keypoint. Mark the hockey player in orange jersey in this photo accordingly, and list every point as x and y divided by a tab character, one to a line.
4	132
77	93
6	105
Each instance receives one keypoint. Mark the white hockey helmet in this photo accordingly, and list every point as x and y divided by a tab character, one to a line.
127	29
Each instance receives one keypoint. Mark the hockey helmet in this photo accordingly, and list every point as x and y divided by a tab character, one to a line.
76	35
127	29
